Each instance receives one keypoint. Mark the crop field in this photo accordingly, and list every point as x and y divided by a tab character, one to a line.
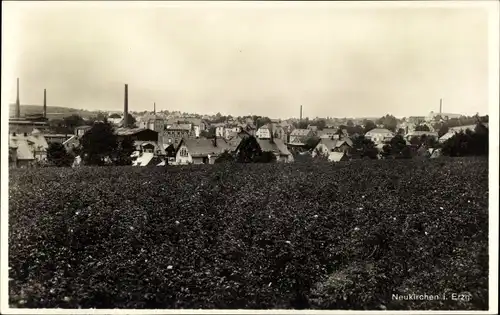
257	236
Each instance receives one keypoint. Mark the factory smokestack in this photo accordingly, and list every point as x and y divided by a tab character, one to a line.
44	103
125	108
154	108
18	104
300	112
440	106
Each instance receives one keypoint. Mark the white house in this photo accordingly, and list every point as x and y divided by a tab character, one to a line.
379	135
327	146
263	132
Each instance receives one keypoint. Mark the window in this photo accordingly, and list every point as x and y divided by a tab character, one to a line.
183	152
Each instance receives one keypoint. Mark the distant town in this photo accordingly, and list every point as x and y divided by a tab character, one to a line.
177	138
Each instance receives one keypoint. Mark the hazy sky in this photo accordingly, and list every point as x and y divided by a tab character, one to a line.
244	58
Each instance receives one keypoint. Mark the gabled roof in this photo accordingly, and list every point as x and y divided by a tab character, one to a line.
379	130
202	147
336	156
335	143
301	132
23	150
277	147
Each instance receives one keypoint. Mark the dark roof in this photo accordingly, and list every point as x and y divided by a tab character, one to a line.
202	147
276	146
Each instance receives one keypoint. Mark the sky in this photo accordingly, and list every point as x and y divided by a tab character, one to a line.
266	59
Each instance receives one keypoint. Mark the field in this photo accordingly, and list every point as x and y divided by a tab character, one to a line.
272	236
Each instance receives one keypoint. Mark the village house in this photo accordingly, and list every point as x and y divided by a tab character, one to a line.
235	138
26	148
327	146
299	136
200	150
153	122
379	135
278	147
173	134
230	130
327	133
220	129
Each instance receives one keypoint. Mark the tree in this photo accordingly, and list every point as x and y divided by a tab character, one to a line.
59	126
389	122
115	115
401	131
103	116
350	123
249	150
397	148
73	121
262	121
124	151
422	128
321	124
311	143
210	133
364	147
131	120
58	156
442	130
98	143
369	125
355	130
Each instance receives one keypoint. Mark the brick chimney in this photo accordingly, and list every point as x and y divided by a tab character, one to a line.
44	103
18	104
125	108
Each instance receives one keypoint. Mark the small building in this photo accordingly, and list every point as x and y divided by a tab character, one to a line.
380	135
327	146
200	150
173	134
327	133
26	148
278	147
299	136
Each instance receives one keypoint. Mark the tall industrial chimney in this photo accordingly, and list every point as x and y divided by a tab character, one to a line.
18	104
44	103
440	106
125	108
154	108
300	112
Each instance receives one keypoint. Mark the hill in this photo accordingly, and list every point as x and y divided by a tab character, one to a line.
53	112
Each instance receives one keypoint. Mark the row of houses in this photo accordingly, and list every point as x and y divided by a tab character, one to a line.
151	147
